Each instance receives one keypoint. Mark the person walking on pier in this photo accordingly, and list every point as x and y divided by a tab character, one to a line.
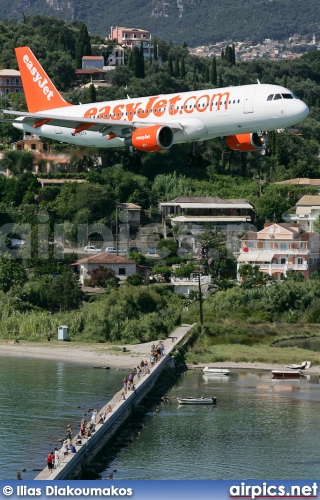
65	448
82	427
50	461
94	417
125	384
56	458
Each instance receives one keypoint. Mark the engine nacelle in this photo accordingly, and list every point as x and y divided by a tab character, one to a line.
246	142
151	139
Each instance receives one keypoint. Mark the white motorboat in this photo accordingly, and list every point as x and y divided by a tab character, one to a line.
197	401
304	366
215	371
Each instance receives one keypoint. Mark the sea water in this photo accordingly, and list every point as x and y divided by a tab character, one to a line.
38	399
260	428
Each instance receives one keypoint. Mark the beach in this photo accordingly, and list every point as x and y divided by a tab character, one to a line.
100	355
106	355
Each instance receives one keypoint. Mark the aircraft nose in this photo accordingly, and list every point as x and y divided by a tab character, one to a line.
302	111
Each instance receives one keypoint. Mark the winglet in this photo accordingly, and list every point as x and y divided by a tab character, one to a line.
39	90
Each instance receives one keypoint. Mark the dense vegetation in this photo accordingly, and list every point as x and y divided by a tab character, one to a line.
196	22
38	292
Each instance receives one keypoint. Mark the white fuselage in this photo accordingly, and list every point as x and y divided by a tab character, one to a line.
194	116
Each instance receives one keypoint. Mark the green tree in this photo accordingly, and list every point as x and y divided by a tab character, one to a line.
92	93
213	72
167	248
316	225
271	207
64	293
83	45
135	279
170	65
183	69
177	68
212	254
12	273
17	162
155	49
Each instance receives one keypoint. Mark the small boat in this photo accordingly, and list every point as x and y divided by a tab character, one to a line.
215	371
306	365
284	374
197	401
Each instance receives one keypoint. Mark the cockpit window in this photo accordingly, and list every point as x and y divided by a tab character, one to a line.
270	97
294	95
287	96
277	96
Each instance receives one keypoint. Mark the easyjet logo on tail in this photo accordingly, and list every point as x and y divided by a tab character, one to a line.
38	78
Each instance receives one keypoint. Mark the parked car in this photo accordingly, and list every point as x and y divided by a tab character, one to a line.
151	251
113	250
92	249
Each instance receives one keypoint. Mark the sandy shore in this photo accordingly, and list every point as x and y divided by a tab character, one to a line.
102	355
92	354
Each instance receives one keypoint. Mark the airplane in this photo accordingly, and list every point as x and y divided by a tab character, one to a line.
242	114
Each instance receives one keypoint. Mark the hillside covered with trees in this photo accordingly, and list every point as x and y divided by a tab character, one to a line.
199	22
38	291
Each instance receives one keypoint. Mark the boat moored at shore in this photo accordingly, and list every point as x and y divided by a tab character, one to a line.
197	401
286	374
215	371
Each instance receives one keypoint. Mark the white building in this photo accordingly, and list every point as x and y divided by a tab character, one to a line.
121	266
307	210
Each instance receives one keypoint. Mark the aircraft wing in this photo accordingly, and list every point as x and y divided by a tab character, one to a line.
121	128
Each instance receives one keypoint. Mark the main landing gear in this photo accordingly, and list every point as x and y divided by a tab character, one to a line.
131	161
265	152
195	159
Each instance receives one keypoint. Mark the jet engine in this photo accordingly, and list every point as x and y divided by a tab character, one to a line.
151	139
246	142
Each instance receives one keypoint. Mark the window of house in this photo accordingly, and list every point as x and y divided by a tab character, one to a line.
122	271
7	81
45	146
300	260
7	91
17	81
33	146
283	260
17	91
283	246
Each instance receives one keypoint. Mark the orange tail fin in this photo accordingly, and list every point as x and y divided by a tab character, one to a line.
39	90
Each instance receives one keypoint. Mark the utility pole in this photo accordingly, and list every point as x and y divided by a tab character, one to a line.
200	302
117	231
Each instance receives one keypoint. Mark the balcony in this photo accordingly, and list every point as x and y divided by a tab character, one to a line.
283	267
282	251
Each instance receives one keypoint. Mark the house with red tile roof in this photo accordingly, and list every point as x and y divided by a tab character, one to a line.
121	266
